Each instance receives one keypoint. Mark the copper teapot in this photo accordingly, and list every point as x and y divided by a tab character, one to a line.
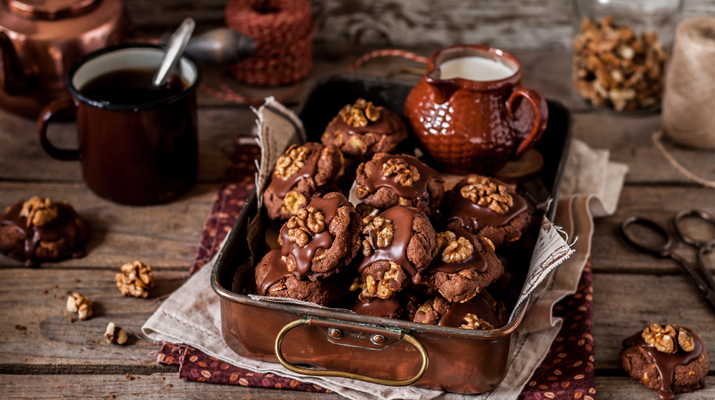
41	39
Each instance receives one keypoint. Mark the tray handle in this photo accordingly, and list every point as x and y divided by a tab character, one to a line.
341	374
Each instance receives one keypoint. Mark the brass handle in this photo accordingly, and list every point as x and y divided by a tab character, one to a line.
340	374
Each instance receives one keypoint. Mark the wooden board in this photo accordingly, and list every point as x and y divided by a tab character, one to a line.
622	388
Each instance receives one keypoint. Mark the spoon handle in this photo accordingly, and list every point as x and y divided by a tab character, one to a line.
175	48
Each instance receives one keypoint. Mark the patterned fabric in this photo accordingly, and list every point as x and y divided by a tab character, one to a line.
566	373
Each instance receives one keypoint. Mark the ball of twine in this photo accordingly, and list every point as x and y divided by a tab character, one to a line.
690	85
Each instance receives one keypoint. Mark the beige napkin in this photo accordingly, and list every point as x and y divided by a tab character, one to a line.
591	186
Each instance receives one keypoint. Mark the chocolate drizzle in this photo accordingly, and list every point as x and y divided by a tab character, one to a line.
323	240
387	124
475	261
665	363
64	226
276	272
478	305
281	187
417	192
396	252
379	308
474	217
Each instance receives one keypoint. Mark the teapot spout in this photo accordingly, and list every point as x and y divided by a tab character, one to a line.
15	77
443	89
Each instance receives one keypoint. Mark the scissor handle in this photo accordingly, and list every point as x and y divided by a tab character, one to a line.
706	245
659	251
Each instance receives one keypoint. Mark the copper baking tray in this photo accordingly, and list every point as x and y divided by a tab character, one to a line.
379	350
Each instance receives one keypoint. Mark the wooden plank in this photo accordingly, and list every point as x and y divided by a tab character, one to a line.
163	236
610	253
623	388
156	386
624	304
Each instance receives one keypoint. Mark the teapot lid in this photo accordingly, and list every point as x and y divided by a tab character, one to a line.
50	9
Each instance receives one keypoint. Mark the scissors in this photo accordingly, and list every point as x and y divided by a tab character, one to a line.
699	272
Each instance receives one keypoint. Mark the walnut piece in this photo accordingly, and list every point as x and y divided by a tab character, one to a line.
135	279
380	233
474	322
441	240
306	223
79	304
115	334
457	250
485	193
358	114
39	211
685	341
290	163
662	338
293	201
406	174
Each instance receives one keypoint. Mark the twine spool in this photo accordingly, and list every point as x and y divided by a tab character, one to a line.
690	85
283	31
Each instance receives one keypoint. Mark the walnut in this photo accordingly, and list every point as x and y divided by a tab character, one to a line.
306	223
441	240
474	322
685	341
356	285
135	279
293	201
380	233
406	174
372	288
39	211
290	163
79	304
358	114
457	250
115	334
663	339
485	193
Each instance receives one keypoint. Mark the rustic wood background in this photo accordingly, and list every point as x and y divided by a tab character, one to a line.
521	24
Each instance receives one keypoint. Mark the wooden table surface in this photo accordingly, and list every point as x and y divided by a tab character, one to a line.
55	358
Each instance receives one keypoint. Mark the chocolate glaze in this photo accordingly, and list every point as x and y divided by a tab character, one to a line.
323	240
277	272
281	187
476	261
63	226
666	362
396	252
478	305
417	192
387	124
474	217
379	307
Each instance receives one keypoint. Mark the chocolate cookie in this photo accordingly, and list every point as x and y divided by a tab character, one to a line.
402	306
361	130
274	280
42	230
397	245
322	238
462	266
488	208
301	173
670	359
389	180
481	312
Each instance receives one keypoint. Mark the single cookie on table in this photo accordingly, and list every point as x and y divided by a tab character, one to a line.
301	173
488	208
361	130
273	279
463	265
397	246
480	312
670	359
390	179
322	238
41	229
403	305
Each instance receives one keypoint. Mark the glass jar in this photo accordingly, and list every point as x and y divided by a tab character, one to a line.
620	51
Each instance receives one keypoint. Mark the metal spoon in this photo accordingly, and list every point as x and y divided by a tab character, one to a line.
176	46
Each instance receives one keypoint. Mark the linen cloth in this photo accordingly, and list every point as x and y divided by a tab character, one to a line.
590	187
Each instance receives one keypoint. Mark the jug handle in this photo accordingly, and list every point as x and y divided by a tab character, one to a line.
52	109
541	115
16	78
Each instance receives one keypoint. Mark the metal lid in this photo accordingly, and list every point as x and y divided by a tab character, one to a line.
50	9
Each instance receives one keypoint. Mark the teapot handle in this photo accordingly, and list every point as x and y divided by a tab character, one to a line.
541	116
